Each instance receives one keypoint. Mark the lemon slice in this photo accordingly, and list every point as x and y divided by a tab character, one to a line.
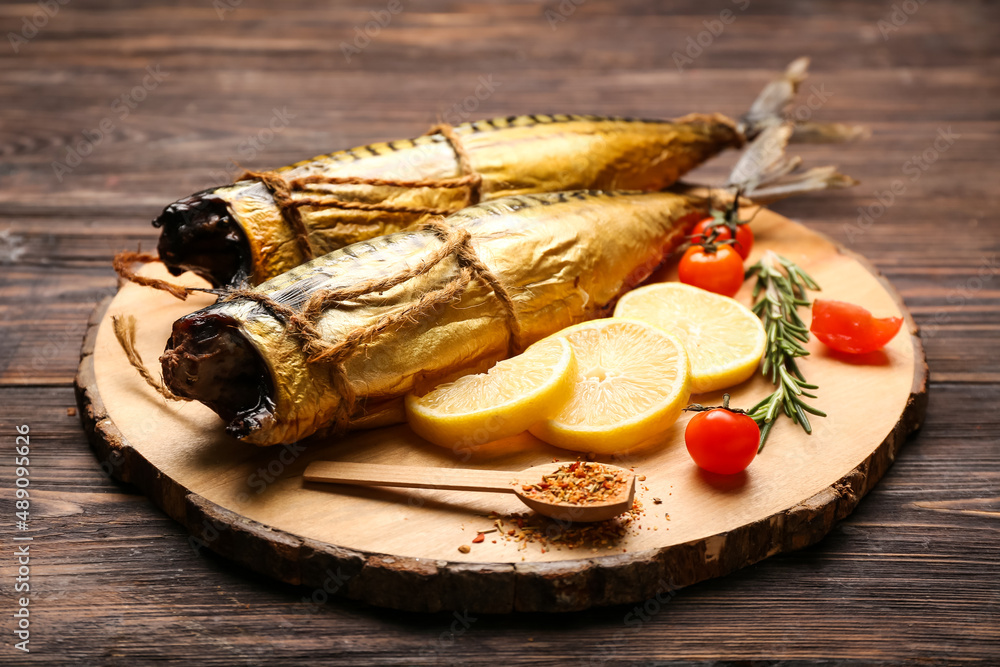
502	402
632	381
724	339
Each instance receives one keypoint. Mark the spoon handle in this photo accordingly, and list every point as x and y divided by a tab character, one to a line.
374	474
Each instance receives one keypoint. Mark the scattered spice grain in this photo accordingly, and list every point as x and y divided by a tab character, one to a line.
547	533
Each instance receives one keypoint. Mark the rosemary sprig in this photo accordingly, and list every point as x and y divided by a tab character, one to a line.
782	286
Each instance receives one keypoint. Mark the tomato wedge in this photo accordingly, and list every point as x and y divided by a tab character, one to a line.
849	328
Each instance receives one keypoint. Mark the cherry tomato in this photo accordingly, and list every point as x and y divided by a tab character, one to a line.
722	441
850	328
720	271
744	236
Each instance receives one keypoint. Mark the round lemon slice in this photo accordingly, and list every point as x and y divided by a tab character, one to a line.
723	338
502	402
632	381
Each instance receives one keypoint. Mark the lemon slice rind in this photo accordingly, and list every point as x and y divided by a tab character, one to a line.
660	368
452	416
724	339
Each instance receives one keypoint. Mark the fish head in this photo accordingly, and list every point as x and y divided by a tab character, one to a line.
200	235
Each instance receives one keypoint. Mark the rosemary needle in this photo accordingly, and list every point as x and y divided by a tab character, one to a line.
779	291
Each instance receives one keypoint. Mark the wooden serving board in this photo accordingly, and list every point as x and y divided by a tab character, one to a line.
400	548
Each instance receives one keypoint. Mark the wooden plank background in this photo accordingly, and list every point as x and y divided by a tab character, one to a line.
912	576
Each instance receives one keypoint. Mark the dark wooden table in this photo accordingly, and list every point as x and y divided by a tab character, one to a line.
114	109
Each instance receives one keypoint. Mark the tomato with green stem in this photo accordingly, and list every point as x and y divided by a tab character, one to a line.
722	440
715	268
849	328
723	231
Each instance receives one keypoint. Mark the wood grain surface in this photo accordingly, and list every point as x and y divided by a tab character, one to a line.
911	576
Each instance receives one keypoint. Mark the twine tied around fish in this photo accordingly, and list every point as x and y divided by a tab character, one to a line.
302	323
284	190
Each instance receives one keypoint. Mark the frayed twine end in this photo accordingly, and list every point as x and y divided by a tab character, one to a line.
124	327
123	262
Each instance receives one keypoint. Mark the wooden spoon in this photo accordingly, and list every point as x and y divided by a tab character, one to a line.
463	479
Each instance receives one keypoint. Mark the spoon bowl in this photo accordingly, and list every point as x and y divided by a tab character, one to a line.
598	510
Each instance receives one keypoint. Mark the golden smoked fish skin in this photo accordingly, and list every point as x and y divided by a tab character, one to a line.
563	257
237	232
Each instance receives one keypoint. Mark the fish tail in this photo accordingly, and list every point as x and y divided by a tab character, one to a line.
766	173
773	107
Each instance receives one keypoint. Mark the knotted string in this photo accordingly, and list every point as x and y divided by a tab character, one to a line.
282	191
303	322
